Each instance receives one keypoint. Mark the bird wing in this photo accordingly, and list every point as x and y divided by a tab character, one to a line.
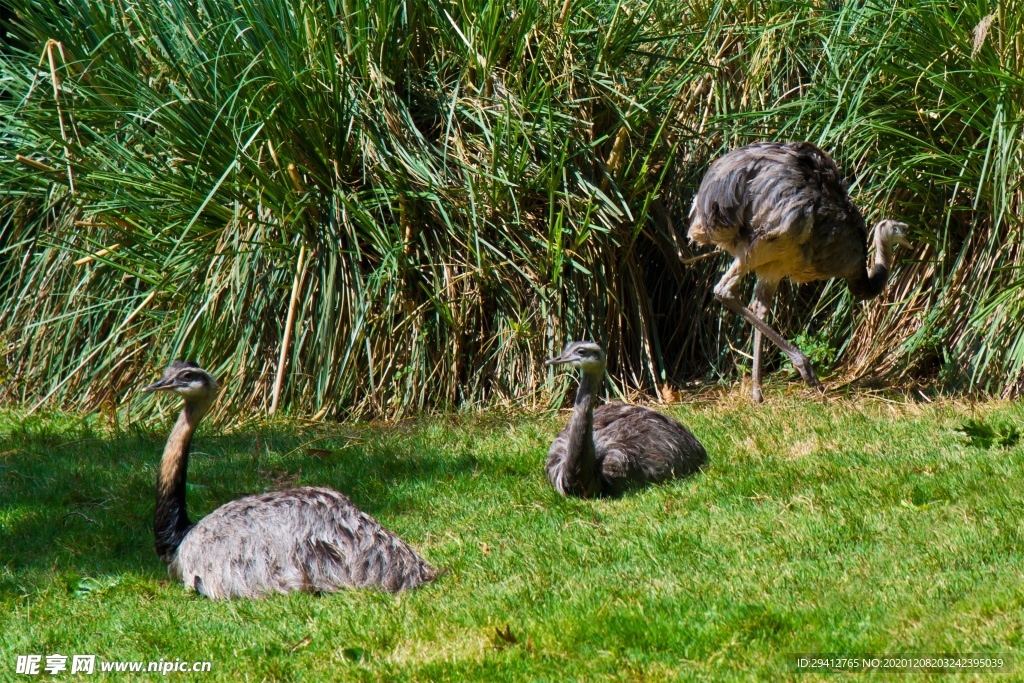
296	539
647	444
721	210
768	191
344	546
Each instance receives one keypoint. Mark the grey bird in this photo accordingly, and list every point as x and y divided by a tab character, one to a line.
298	539
606	450
782	210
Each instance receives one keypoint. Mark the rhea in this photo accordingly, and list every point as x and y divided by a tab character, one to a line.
782	210
608	449
299	539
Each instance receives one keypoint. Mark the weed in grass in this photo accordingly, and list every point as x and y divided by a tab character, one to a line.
986	435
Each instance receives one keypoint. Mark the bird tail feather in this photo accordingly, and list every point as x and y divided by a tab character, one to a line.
710	235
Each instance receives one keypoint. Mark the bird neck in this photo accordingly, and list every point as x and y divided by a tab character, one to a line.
873	281
171	522
583	459
586	393
883	253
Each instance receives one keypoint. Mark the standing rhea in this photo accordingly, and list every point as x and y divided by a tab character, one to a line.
308	539
605	450
782	210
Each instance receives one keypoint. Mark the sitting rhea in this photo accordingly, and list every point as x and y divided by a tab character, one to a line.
613	447
299	539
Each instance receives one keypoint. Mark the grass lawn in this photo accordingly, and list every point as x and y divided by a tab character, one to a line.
861	525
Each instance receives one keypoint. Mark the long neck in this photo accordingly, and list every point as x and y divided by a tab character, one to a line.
871	282
582	464
171	523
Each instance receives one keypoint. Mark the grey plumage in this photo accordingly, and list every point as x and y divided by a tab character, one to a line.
607	449
782	210
299	539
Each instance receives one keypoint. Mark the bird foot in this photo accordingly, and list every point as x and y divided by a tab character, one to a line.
757	395
815	384
806	370
812	379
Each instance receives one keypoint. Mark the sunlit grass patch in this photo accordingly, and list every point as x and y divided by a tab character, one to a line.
865	525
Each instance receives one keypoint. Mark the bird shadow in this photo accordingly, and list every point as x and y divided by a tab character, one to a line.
81	505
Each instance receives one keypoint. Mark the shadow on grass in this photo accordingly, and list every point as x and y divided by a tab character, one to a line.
82	505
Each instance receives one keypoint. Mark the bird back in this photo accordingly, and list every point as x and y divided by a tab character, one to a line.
768	190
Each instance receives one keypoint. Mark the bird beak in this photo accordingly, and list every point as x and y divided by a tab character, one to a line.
557	360
163	385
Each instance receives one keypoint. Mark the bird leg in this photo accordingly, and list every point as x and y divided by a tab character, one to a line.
764	292
725	291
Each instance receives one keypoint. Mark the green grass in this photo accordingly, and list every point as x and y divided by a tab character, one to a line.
860	525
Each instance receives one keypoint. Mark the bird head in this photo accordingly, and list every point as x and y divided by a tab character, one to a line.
585	355
186	379
890	232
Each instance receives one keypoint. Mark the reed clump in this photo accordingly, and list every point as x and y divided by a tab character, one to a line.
369	208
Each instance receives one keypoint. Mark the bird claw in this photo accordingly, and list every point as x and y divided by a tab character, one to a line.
813	381
803	366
